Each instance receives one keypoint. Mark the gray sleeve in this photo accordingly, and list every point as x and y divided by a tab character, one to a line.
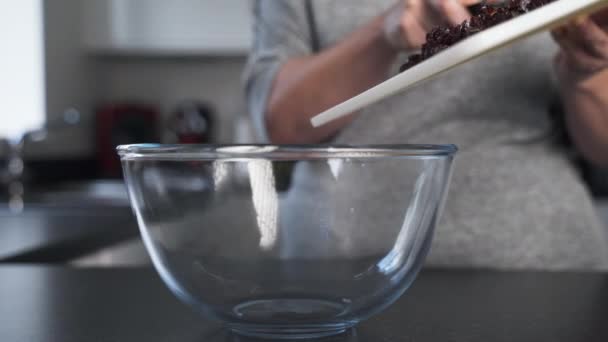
281	31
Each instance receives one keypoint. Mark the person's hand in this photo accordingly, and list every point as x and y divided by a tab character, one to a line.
407	23
584	49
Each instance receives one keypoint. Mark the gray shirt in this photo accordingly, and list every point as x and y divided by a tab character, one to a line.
516	201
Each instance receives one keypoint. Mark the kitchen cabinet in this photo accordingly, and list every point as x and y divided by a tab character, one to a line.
160	27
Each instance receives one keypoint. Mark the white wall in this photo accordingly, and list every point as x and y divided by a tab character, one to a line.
70	80
165	82
21	66
76	78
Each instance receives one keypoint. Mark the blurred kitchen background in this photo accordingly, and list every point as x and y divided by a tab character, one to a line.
82	76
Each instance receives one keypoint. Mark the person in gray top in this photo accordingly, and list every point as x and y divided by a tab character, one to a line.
516	200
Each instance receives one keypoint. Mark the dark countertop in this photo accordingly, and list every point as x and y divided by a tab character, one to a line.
62	304
42	234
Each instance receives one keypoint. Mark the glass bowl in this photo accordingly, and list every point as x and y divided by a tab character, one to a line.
287	241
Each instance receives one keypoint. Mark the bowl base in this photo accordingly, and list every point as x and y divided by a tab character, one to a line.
289	332
300	318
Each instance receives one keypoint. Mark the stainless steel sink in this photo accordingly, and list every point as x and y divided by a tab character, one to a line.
64	221
91	194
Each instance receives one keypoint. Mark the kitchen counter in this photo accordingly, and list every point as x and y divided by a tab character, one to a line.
68	305
133	253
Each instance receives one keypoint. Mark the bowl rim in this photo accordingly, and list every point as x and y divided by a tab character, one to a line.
283	152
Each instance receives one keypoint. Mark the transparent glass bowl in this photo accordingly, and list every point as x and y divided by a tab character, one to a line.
287	241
